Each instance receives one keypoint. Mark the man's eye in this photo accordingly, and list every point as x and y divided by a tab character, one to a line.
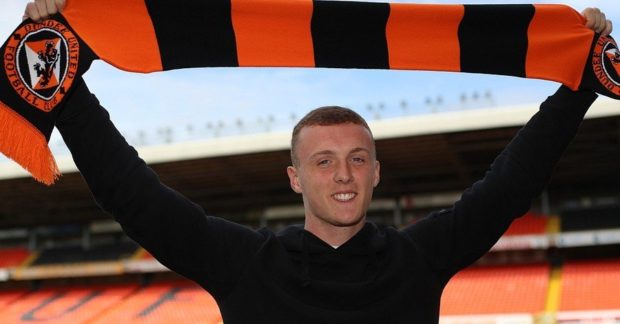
323	162
359	160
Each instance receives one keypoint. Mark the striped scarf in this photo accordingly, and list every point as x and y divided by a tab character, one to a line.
41	61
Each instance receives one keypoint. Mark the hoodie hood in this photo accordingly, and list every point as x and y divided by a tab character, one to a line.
316	268
296	239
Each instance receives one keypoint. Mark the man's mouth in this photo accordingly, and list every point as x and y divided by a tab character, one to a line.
344	196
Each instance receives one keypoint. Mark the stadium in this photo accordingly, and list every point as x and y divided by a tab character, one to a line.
62	260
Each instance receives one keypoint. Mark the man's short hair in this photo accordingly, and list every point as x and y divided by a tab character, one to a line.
325	116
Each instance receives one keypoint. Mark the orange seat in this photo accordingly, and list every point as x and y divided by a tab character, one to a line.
66	304
9	296
10	258
170	302
497	289
590	285
529	223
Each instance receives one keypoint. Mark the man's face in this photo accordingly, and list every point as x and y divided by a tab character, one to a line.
336	174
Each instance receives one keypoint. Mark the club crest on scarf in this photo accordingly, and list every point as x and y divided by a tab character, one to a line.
606	64
40	61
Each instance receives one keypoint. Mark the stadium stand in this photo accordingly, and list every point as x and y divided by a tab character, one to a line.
590	285
518	293
496	290
592	218
165	302
530	223
482	293
13	257
74	254
9	296
64	304
160	302
63	261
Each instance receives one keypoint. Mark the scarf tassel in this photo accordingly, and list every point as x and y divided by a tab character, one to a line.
29	149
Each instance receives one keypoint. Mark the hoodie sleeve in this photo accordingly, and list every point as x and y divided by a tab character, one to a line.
209	250
453	238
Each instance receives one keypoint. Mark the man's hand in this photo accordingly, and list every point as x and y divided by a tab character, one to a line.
596	20
42	9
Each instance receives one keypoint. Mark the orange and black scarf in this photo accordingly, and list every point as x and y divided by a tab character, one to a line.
42	60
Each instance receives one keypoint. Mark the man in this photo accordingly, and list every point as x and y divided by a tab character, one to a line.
337	268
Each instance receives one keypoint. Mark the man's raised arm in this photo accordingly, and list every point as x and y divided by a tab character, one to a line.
171	227
456	237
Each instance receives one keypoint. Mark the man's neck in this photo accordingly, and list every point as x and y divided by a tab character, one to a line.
333	235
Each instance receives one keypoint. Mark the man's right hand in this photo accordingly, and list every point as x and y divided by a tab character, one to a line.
39	10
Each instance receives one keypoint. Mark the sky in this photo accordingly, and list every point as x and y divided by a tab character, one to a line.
155	108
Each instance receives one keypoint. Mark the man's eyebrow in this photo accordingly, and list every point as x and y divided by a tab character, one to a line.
330	152
360	149
324	152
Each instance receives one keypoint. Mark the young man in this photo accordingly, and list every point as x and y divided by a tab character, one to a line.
337	267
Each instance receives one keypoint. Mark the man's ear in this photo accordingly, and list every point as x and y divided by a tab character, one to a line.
294	179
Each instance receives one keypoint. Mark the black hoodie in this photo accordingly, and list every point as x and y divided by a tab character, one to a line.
381	275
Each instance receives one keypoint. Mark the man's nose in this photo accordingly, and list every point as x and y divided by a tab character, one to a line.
343	173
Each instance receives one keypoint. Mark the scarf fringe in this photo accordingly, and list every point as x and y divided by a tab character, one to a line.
24	144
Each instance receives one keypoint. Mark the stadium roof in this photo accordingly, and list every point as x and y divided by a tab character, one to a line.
241	176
